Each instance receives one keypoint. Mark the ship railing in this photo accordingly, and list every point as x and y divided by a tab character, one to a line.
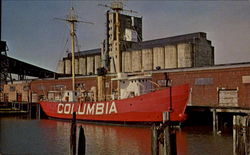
130	94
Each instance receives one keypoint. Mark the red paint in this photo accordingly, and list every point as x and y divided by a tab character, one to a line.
144	108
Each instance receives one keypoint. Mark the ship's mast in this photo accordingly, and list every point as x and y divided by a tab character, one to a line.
72	20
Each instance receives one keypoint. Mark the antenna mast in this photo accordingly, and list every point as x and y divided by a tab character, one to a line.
72	20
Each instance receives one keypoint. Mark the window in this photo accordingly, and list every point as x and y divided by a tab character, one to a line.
246	79
228	97
161	82
107	84
41	87
203	81
26	88
12	88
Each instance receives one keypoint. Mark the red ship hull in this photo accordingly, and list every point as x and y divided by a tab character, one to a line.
145	108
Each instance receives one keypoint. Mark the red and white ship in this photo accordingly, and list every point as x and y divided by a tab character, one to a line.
135	100
137	103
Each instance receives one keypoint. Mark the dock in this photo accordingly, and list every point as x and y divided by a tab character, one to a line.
32	110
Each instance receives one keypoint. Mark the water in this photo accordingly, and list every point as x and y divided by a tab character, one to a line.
25	136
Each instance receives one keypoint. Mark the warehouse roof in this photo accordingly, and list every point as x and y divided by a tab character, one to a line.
204	68
186	38
22	68
87	52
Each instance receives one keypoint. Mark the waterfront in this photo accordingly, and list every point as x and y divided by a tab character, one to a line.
33	136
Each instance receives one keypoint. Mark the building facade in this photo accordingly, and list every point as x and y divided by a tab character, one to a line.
190	50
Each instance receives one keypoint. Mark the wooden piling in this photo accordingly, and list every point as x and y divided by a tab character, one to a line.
215	121
167	146
165	135
173	142
165	117
38	112
168	141
73	135
81	142
154	141
241	135
29	110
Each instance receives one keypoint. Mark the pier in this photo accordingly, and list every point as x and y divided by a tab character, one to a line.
32	110
241	135
217	117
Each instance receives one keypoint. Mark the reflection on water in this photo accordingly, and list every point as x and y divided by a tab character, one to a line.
117	140
20	136
202	140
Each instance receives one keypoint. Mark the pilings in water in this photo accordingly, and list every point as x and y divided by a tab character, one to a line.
154	140
31	110
73	135
34	110
164	137
81	141
14	108
241	135
215	121
38	111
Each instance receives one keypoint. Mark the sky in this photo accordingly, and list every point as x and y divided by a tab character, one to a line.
33	36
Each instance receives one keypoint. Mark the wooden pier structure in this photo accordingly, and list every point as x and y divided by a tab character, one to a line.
216	116
32	110
163	139
241	135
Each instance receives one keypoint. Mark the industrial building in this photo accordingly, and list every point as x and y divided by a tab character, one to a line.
189	50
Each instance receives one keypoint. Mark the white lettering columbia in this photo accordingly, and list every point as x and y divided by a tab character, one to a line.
87	108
